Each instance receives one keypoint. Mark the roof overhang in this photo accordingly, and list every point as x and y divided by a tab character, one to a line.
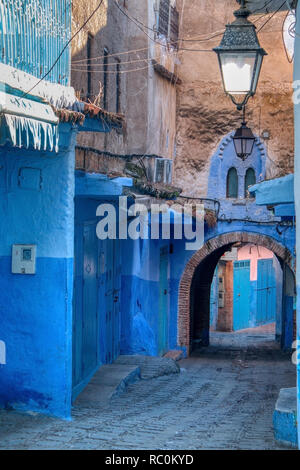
274	192
97	186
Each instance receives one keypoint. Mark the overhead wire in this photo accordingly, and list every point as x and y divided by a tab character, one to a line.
112	71
140	25
273	14
133	51
78	64
82	62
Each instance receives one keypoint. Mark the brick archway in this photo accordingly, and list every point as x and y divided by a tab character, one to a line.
225	240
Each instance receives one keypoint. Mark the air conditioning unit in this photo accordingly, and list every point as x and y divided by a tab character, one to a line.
163	171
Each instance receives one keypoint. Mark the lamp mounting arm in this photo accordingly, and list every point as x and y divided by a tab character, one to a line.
240	106
244	113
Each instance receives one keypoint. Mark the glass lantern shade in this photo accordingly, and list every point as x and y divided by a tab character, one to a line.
240	72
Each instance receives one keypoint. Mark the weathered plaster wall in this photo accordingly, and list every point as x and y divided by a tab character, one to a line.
254	253
147	100
205	114
36	310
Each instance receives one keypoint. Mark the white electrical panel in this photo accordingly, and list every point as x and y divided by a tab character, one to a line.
23	259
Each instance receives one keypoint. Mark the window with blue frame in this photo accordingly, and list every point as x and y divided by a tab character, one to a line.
34	35
250	179
232	184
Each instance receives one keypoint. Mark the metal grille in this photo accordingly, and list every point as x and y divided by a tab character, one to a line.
33	33
164	12
160	171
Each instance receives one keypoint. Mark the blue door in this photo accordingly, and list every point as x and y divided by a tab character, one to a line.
85	304
110	289
266	292
241	295
163	301
96	303
90	307
213	306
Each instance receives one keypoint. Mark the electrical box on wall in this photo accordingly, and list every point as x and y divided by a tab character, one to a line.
23	259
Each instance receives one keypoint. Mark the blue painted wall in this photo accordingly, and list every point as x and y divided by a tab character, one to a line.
140	285
214	300
140	296
225	158
36	310
140	259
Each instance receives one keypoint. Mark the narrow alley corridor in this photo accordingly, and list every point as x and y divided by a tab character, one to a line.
223	398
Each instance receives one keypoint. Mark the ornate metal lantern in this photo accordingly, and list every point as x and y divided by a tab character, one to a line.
240	57
243	141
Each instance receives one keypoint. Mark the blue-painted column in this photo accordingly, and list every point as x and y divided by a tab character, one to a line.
37	207
297	184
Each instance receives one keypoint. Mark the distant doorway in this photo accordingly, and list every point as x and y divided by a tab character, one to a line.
199	314
246	291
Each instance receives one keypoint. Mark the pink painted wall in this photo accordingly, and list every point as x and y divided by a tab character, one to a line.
254	253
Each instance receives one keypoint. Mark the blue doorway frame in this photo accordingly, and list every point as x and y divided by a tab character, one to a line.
96	303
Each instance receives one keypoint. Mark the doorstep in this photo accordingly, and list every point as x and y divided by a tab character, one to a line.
110	381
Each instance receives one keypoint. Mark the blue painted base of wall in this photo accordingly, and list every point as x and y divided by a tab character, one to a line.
35	329
139	321
285	418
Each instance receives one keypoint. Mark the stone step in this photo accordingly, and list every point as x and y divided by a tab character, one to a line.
175	355
150	366
285	418
110	381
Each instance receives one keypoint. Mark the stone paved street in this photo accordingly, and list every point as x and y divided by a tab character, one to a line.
223	398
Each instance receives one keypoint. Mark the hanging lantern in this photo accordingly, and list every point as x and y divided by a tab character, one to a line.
243	141
240	57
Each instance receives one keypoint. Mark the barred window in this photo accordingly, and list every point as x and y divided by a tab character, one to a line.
164	17
168	21
174	26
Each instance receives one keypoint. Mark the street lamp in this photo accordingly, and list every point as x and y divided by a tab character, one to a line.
243	141
240	57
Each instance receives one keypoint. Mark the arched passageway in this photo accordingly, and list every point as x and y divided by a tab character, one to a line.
195	286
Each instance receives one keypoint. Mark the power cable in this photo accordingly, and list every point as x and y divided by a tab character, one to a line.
111	71
273	14
132	51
